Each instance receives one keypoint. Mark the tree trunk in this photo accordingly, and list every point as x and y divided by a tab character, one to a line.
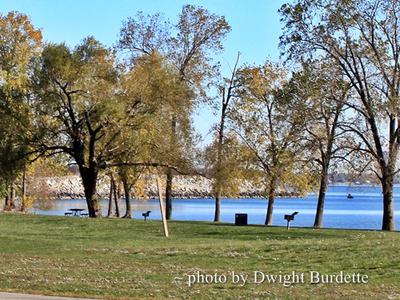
7	206
168	195
271	199
23	192
9	203
12	196
128	213
321	198
168	187
118	186
219	180
110	198
217	213
388	206
268	219
116	199
89	180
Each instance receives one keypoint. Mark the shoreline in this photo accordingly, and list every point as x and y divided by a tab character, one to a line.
184	187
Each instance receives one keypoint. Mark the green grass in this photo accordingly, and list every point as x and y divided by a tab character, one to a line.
125	259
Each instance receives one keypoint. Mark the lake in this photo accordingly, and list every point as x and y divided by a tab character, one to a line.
364	211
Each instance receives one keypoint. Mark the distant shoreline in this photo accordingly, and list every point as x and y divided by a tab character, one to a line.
184	187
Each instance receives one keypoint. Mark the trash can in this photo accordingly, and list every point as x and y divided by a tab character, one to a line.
240	219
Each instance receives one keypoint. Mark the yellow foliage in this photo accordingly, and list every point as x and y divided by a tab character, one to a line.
139	189
28	202
46	167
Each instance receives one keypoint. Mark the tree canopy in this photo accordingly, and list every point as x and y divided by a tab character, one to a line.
124	110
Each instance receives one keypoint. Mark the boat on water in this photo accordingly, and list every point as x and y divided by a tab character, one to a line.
350	196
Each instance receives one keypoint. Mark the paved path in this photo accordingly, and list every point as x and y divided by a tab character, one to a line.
15	296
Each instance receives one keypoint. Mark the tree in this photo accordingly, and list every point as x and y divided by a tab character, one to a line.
85	107
80	110
361	38
129	177
113	196
220	159
74	102
270	123
319	87
225	166
187	46
152	146
37	192
20	45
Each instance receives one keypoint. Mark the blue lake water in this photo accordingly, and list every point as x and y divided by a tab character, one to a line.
364	211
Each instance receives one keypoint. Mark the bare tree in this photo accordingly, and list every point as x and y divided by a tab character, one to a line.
362	38
227	91
319	86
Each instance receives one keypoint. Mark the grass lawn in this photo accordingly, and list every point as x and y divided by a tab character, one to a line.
130	259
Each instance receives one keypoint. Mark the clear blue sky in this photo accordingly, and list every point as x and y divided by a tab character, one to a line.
255	26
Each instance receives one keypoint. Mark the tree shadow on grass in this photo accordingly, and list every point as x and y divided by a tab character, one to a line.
254	232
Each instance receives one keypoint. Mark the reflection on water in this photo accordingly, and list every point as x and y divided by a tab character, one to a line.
364	211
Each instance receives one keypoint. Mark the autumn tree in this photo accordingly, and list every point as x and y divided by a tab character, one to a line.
219	153
361	38
319	86
154	80
270	123
20	45
225	163
138	150
129	177
36	192
84	106
188	46
74	103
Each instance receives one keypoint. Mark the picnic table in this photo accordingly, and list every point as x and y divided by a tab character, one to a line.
76	211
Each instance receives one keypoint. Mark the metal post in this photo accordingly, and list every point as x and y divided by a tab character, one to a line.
162	209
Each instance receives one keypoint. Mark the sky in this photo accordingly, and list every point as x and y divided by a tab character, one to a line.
255	27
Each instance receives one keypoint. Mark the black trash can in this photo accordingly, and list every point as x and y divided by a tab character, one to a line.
240	219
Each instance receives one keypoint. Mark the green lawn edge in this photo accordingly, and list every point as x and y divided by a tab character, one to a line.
111	258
